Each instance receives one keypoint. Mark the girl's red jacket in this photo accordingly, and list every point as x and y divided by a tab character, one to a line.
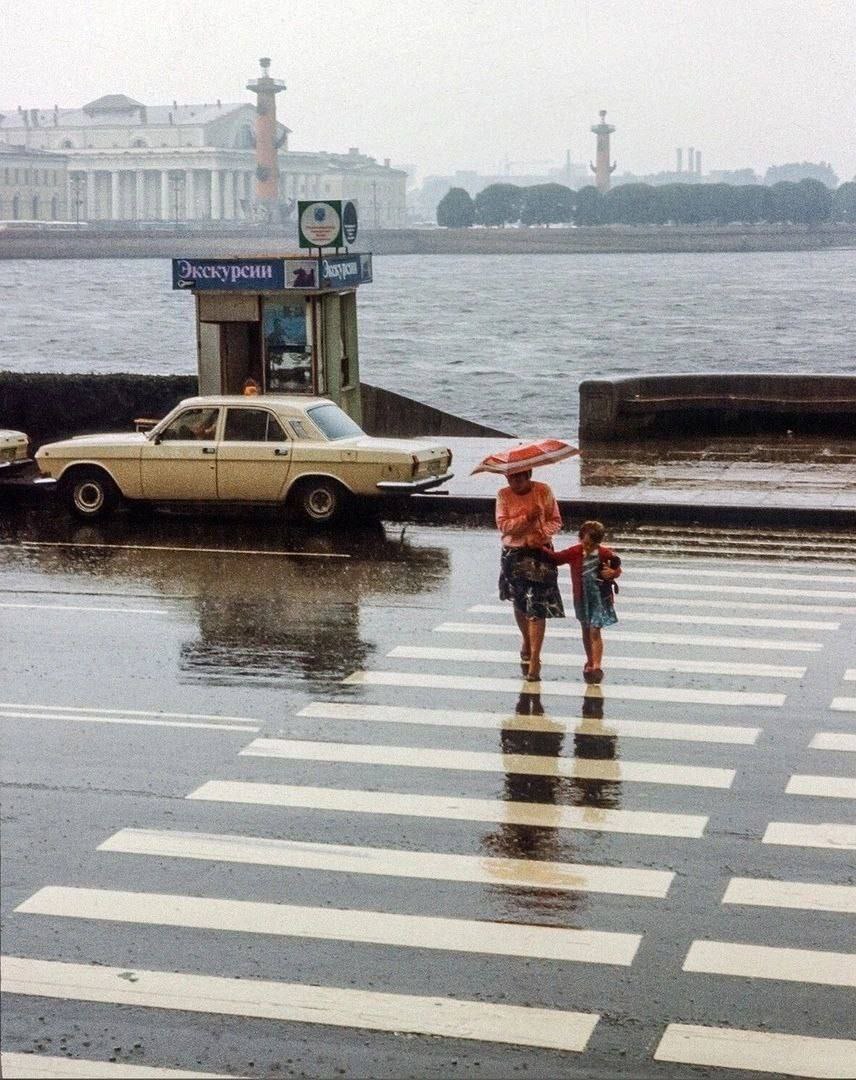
573	557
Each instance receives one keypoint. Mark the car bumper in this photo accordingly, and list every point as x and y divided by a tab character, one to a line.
410	487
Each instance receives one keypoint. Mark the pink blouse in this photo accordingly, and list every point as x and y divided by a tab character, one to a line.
511	516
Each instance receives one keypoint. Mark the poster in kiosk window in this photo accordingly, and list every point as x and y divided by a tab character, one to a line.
349	222
320	224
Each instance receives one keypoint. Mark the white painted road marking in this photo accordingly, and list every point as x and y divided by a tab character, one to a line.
82	718
91	608
619	663
163	547
392	862
328	1005
850	675
766	575
843	704
642	637
633	729
617	691
759	590
831	787
807	895
643	772
27	706
772	962
547	815
26	1066
336	924
699	620
758	1051
826	835
833	740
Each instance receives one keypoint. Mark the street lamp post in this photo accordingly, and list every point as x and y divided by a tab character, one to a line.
76	184
176	182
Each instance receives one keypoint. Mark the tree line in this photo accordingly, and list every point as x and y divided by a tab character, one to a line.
805	202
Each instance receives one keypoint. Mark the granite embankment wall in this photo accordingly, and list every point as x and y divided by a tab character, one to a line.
49	407
717	404
616	239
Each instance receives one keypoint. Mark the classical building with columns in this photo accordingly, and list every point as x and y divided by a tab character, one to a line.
189	163
33	185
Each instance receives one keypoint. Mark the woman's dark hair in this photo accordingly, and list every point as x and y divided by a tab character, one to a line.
594	529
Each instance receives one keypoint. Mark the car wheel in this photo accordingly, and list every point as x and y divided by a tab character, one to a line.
89	493
320	501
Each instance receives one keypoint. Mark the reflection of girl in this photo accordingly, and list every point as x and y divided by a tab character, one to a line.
594	569
528	518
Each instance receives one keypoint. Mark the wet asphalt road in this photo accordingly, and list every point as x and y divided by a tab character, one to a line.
136	667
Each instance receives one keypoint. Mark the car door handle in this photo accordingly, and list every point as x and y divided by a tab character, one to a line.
209	450
281	453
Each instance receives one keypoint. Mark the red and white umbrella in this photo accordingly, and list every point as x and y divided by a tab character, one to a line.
526	456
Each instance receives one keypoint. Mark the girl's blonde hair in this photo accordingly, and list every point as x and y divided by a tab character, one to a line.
594	529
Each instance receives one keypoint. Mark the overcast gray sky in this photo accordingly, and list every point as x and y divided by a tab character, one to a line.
448	84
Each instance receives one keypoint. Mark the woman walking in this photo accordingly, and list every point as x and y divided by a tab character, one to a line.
594	568
527	517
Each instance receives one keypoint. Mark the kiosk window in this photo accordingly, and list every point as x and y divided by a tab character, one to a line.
288	352
252	425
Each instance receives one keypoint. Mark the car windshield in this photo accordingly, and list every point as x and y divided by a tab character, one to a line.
334	423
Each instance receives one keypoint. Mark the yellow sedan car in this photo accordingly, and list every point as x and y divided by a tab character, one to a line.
304	453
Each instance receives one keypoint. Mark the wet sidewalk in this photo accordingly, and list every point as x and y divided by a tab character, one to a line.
742	480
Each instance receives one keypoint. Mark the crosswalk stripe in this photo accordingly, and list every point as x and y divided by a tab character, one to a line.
833	787
452	808
740	590
695	620
552	723
826	835
643	772
620	663
642	637
392	862
681	601
758	1051
772	962
26	1066
806	895
695	572
157	714
833	740
326	1005
132	721
336	924
843	704
850	674
617	691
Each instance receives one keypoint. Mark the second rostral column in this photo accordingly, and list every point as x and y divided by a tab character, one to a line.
602	170
267	141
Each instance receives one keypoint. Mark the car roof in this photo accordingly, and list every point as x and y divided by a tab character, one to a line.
283	403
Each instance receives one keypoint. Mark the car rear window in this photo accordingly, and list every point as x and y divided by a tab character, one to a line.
252	425
334	423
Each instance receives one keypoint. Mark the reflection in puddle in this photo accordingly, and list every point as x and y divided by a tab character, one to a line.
512	841
255	615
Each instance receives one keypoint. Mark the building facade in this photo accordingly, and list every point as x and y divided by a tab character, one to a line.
33	185
130	162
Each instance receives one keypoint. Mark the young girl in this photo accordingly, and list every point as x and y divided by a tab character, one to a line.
594	569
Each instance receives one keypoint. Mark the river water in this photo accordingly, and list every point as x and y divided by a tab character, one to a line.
504	339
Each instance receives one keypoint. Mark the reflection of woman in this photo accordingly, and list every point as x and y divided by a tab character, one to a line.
528	518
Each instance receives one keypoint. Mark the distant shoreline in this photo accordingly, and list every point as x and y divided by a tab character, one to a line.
624	239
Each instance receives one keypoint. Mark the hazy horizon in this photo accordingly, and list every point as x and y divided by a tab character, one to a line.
450	85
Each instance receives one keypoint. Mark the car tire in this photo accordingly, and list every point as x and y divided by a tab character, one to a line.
89	494
319	500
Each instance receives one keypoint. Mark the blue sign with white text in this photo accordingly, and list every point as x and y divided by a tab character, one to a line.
227	275
338	271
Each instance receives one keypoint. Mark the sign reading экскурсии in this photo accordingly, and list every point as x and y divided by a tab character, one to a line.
326	223
271	275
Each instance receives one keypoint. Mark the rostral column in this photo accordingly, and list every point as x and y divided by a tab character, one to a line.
267	144
602	170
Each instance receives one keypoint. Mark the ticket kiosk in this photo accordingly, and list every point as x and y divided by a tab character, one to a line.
289	323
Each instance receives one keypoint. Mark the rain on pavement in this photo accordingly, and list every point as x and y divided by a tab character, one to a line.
279	803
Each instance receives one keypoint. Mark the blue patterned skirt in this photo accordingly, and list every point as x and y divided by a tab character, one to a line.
531	581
